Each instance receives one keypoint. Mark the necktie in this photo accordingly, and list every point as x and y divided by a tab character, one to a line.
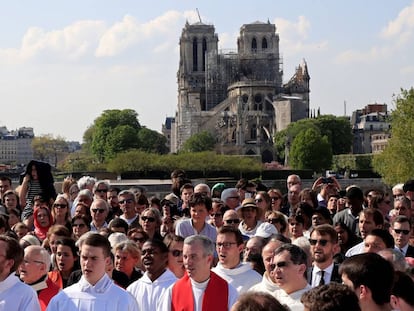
322	280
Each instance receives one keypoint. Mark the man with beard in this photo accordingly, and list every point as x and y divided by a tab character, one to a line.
324	245
157	278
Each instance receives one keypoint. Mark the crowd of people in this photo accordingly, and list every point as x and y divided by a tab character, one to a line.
93	246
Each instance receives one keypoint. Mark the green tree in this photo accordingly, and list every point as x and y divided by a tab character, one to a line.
49	149
203	141
112	132
396	163
310	150
152	141
337	130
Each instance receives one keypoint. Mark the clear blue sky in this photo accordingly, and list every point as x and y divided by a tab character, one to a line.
63	62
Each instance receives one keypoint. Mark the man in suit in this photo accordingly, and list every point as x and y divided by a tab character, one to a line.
324	245
401	230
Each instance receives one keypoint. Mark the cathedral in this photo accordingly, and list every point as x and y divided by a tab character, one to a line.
236	95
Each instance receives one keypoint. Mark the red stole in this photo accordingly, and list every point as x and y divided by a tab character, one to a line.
215	297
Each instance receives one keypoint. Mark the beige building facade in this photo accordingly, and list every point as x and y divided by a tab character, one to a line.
236	95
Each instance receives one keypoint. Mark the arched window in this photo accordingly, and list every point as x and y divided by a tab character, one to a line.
264	44
204	53
254	45
195	60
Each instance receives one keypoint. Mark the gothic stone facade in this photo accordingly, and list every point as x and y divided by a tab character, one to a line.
238	96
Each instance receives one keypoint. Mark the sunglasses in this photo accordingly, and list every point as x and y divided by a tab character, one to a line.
79	225
216	215
398	231
59	205
232	221
258	200
280	264
176	252
141	240
275	198
128	201
98	210
321	242
150	219
225	244
101	190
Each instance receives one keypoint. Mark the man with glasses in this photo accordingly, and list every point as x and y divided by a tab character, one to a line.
229	247
127	203
204	289
33	271
401	231
99	211
95	290
157	277
231	218
231	198
14	294
100	190
289	268
323	246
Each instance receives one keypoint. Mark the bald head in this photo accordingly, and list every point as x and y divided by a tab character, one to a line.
231	218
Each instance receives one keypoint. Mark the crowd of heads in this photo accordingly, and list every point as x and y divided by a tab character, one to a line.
281	234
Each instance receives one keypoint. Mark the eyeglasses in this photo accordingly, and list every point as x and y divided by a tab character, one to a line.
79	225
101	190
321	242
27	262
150	219
128	201
59	205
141	240
258	200
225	244
273	220
216	215
98	210
398	231
232	221
176	252
234	197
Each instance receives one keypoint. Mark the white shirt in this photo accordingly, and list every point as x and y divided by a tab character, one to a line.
185	228
104	296
17	296
241	277
291	300
316	275
148	293
266	285
198	291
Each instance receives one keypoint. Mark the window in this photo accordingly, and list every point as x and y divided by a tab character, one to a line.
264	44
195	50
254	45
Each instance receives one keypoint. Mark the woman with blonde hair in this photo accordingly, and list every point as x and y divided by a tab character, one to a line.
61	213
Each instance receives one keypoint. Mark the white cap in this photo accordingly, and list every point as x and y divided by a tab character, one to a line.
265	230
